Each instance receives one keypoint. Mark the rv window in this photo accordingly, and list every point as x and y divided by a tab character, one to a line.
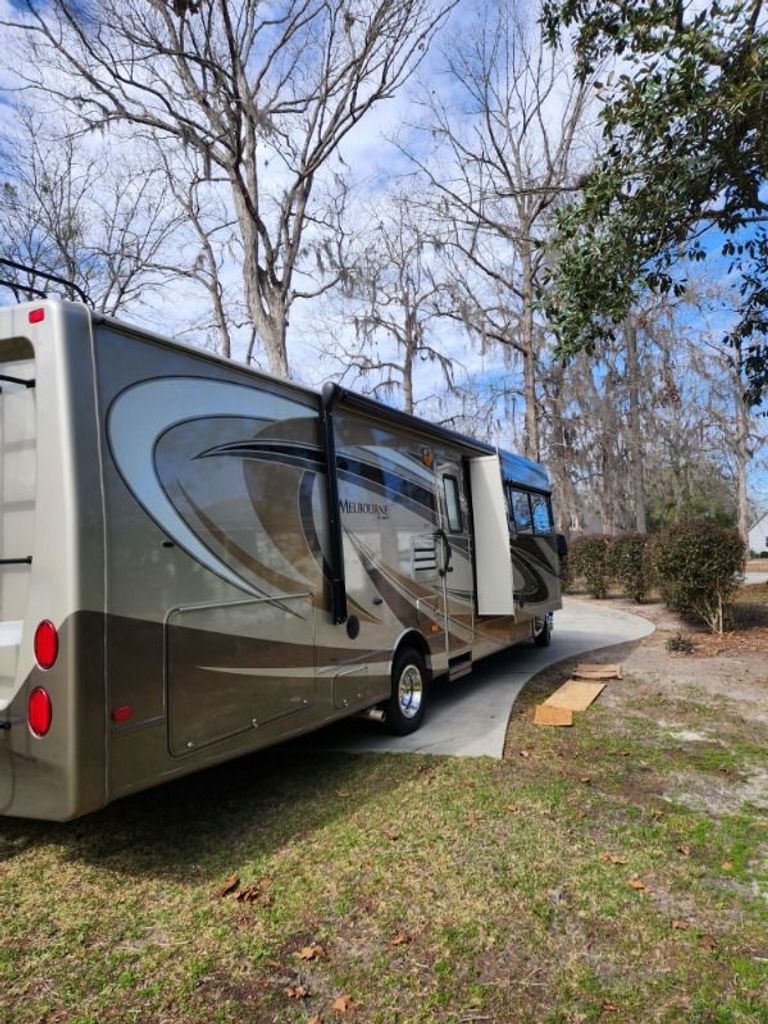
522	511
542	516
452	503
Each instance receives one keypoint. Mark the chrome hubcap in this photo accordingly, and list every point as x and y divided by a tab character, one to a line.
410	688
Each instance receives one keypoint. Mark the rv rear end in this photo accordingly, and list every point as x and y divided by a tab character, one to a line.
52	706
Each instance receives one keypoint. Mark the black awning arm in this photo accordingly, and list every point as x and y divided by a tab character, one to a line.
329	397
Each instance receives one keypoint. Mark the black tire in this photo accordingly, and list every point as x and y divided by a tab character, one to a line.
541	630
404	711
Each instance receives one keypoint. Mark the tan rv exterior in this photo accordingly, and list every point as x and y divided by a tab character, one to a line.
228	560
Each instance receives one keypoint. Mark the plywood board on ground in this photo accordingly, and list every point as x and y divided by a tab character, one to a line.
574	695
547	715
586	670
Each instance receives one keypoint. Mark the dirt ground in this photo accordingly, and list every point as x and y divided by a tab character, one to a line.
714	696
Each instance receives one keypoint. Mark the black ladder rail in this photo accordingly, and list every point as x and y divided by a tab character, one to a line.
48	277
17	380
26	560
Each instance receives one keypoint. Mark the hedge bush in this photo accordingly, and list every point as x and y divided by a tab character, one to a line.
589	560
631	566
698	566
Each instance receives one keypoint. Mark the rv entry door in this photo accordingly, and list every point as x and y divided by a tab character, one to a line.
454	558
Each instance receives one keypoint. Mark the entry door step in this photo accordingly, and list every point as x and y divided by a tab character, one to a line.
460	666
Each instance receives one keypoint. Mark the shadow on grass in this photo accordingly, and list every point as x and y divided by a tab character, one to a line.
206	824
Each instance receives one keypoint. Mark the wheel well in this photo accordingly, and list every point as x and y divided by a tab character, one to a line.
415	641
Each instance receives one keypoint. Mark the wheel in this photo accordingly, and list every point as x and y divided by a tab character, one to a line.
541	630
404	711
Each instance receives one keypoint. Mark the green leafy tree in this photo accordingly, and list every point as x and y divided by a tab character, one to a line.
684	159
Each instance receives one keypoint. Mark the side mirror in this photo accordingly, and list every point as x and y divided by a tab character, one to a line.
561	544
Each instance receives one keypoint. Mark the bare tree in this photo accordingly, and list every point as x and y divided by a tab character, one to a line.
66	209
391	301
506	152
265	93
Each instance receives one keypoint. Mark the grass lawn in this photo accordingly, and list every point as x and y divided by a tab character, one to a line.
616	871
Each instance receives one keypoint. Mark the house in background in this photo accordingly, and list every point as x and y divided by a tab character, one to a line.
758	535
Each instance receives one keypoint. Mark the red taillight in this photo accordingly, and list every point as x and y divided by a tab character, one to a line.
39	711
46	644
36	316
122	714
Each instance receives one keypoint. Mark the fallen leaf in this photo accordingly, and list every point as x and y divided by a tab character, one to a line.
343	1003
317	1019
680	926
724	769
399	940
525	753
581	814
296	991
469	784
586	779
254	894
707	941
310	952
727	865
512	809
612	858
229	885
392	835
343	793
609	1007
638	885
625	753
685	850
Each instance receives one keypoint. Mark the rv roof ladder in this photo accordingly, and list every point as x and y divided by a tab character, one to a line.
75	289
17	380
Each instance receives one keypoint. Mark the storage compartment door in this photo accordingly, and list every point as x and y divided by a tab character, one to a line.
236	667
493	563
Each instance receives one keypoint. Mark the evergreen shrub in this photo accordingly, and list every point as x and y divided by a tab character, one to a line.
589	560
699	568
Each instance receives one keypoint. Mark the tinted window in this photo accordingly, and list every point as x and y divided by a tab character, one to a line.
452	503
521	510
542	518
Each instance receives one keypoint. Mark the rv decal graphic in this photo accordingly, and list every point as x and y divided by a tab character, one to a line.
144	412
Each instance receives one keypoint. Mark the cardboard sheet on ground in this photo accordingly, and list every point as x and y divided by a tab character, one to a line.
544	715
586	670
574	695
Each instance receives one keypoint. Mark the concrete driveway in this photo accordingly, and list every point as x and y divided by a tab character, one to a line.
755	577
469	717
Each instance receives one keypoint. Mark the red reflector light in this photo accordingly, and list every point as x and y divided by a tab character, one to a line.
39	711
123	713
46	644
36	316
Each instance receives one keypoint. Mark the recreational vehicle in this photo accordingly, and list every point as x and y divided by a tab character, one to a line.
198	560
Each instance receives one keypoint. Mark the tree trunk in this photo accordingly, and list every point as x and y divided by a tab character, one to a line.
741	451
408	379
636	441
531	440
263	297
